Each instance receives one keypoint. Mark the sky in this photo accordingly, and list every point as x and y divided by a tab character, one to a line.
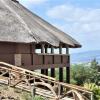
78	18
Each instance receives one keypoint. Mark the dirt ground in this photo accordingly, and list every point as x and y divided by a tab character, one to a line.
8	93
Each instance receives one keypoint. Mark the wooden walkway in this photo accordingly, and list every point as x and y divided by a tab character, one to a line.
40	84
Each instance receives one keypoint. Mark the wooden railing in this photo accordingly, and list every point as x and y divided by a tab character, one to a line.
40	60
40	84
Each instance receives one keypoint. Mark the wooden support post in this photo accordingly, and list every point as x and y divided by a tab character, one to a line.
42	51
32	50
9	80
60	49
46	50
52	69
42	71
52	49
33	91
52	52
43	48
61	78
67	50
61	74
67	74
68	67
60	69
46	72
53	72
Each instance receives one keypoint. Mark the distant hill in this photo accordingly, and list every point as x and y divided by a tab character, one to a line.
85	57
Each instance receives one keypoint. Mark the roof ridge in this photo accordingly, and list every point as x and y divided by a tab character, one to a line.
15	1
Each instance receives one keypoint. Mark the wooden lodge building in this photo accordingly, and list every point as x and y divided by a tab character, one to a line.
22	32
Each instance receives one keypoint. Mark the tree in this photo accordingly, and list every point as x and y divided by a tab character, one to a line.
95	70
94	65
80	74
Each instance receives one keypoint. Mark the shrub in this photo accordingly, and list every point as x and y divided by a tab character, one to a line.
94	88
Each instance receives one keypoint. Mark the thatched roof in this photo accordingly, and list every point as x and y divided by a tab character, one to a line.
18	24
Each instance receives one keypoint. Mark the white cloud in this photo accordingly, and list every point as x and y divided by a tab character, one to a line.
82	23
71	13
36	1
32	2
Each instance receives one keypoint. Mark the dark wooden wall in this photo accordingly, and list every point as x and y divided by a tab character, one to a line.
7	48
8	51
12	48
23	49
23	55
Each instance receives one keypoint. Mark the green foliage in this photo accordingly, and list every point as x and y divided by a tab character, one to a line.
81	73
38	98
94	88
96	75
26	96
94	64
89	75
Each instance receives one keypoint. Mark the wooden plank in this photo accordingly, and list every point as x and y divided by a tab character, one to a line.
18	61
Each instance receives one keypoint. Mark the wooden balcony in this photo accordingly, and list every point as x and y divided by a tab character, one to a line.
35	61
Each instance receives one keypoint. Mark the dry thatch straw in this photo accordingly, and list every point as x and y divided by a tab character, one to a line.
18	24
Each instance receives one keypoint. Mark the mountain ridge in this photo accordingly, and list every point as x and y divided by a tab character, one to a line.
85	57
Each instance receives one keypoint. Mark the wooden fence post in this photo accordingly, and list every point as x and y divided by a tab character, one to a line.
33	91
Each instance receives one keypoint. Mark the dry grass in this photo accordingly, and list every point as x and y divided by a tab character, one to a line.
9	93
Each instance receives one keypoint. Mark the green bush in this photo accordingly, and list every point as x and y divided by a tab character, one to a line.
27	96
38	98
80	74
94	88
